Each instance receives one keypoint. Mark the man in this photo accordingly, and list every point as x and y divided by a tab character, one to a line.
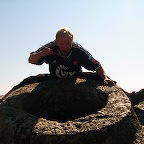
66	57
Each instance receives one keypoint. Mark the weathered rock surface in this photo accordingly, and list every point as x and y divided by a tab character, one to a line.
1	96
68	111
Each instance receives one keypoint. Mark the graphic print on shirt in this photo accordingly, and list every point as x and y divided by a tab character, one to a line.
92	59
61	72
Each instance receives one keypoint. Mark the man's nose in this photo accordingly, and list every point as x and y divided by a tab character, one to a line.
65	46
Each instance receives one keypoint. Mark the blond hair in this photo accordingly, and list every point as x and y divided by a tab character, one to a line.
64	32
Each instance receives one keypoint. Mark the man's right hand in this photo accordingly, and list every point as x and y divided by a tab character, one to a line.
35	57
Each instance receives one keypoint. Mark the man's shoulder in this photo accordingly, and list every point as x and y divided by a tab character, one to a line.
77	47
51	44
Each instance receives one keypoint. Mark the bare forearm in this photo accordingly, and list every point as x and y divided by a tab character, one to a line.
35	57
100	71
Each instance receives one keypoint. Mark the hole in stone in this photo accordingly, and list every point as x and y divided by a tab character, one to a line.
64	102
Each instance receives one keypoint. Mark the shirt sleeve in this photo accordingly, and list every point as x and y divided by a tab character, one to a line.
46	59
87	60
48	45
90	63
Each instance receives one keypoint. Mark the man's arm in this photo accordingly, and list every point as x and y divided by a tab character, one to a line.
100	71
35	57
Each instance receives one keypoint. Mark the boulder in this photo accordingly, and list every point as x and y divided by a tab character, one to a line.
1	97
67	111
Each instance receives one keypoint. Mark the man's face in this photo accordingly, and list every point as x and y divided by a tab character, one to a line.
64	44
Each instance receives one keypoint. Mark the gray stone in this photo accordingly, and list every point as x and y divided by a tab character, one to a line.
67	111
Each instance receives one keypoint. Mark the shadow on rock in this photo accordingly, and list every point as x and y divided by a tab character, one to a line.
140	114
65	102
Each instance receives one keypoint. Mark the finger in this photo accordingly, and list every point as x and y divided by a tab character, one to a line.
112	82
105	81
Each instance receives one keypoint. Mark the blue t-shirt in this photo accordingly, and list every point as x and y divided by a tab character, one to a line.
68	66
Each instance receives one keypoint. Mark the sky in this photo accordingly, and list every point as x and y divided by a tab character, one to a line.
111	30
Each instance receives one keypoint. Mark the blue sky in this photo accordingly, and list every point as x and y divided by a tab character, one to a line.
111	30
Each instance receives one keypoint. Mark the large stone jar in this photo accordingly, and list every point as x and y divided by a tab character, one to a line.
67	111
